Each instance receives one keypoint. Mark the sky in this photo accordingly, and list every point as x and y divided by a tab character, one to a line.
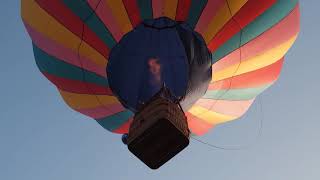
41	138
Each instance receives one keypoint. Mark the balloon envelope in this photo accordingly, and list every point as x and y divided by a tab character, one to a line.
72	41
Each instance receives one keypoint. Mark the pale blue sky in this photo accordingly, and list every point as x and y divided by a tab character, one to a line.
42	139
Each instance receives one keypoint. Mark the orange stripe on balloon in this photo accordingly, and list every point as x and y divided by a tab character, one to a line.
120	14
84	101
235	5
170	8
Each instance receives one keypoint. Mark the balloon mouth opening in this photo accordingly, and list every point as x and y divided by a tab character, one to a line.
160	23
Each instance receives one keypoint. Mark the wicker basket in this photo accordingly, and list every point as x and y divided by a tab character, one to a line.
159	132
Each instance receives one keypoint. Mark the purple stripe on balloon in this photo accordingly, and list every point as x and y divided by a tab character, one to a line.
62	53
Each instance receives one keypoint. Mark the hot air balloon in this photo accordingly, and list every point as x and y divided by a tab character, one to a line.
193	63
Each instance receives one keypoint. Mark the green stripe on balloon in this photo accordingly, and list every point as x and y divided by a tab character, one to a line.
115	121
195	12
229	46
83	10
54	66
261	24
145	7
235	94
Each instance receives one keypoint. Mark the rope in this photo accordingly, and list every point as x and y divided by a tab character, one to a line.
236	148
220	97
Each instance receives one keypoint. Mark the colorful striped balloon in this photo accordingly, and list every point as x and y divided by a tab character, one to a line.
248	39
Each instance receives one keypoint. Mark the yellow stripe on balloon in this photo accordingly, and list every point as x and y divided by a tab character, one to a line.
264	59
222	17
47	25
83	101
120	14
235	5
170	7
227	107
210	116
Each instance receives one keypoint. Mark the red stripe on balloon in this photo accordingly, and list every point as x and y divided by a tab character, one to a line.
208	13
67	55
73	23
265	75
157	8
251	10
124	128
102	111
198	126
183	10
76	86
132	11
271	38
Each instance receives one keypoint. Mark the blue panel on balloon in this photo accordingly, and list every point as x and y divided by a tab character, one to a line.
144	59
159	51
